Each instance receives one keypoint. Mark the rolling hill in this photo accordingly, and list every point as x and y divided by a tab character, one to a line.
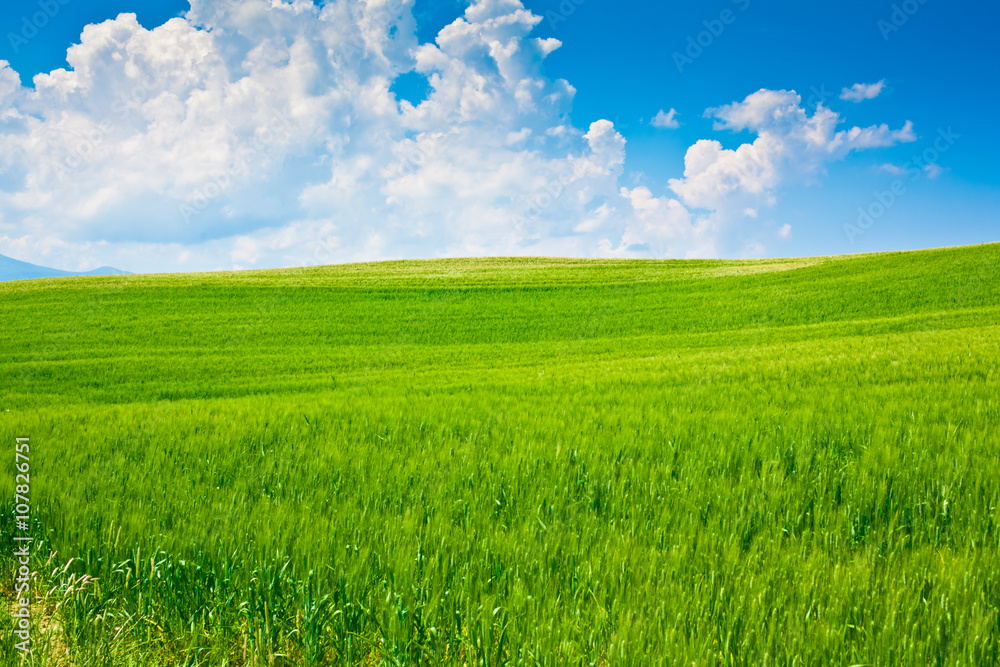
512	461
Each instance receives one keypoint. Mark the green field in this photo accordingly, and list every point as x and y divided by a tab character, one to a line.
512	461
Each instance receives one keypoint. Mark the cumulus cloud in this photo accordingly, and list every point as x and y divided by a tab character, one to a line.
666	120
260	127
860	92
664	227
790	145
266	133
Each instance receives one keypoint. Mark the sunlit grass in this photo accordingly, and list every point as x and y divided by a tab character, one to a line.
515	461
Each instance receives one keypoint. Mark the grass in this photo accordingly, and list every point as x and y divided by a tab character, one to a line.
513	461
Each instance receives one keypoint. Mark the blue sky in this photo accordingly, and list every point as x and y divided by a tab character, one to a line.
329	189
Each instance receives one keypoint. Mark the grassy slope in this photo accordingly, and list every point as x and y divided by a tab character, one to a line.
520	460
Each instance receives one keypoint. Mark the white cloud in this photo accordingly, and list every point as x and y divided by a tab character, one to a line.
779	114
785	232
281	118
860	92
547	46
790	145
666	120
876	136
519	137
892	169
763	110
713	175
933	171
664	227
265	133
10	86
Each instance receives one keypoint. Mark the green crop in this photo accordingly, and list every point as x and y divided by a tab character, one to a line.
512	462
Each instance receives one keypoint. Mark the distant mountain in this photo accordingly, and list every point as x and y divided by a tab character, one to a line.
12	269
